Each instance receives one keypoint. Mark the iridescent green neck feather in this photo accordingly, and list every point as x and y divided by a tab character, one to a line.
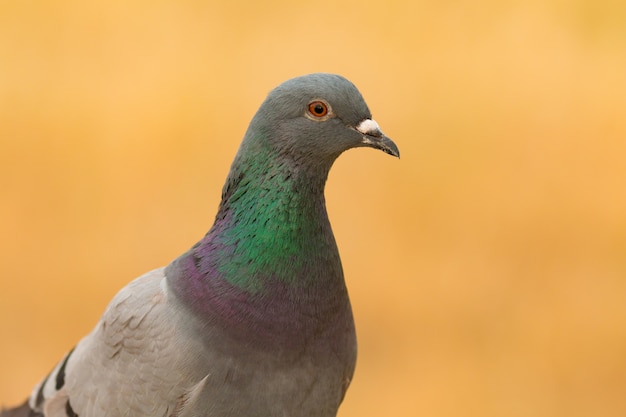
272	224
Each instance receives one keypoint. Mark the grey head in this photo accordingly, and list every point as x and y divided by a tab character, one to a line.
312	119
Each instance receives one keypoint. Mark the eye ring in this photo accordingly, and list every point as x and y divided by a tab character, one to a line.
319	110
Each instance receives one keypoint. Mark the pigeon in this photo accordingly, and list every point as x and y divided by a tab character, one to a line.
254	320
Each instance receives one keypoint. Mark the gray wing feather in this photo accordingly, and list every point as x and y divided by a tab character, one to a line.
136	362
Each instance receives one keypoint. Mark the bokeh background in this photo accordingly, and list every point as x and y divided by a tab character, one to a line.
487	267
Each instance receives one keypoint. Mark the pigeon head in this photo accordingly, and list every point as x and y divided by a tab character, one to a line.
312	119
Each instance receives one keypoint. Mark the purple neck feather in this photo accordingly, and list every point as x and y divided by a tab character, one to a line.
287	290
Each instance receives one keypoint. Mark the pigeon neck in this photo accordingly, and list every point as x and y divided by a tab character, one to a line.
271	222
269	259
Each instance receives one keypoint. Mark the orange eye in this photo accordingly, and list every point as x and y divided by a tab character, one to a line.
318	108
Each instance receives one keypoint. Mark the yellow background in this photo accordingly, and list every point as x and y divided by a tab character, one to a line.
487	267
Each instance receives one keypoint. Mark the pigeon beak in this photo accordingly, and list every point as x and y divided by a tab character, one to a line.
375	138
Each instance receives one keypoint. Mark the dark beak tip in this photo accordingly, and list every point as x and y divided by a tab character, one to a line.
390	147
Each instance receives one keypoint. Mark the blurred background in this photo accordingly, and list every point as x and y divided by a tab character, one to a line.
487	267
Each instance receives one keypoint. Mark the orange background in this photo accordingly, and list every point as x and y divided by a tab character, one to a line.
487	267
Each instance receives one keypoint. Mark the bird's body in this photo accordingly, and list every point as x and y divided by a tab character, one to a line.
253	320
136	370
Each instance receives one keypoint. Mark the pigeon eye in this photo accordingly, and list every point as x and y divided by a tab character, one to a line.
318	108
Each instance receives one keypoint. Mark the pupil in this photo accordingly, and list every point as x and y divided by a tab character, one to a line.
319	109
